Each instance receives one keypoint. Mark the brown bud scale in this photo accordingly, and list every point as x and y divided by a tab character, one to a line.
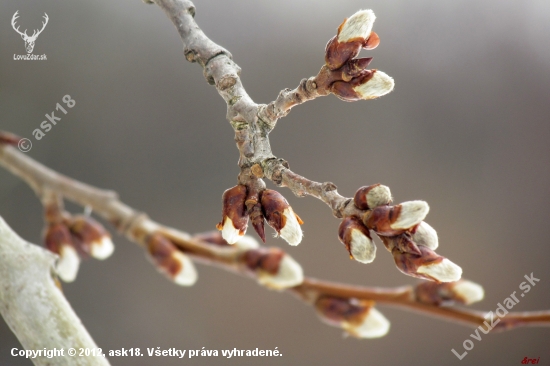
273	205
409	263
55	236
380	219
372	42
335	310
434	293
161	249
347	226
337	54
266	259
87	230
234	208
360	198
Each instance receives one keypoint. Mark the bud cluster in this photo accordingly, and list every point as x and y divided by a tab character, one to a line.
356	83
266	205
274	268
73	237
402	230
357	317
353	232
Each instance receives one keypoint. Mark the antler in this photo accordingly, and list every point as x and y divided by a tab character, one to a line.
34	35
15	16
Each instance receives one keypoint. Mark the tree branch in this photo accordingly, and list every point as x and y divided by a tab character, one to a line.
212	250
34	307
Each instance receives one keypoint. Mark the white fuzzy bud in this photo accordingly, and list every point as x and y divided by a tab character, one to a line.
68	263
102	248
411	214
468	291
290	274
291	232
380	84
359	25
229	232
374	325
378	196
443	271
187	274
362	247
426	235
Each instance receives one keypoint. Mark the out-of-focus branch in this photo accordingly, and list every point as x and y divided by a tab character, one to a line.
249	261
405	298
35	308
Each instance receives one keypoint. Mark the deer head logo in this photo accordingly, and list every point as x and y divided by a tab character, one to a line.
29	40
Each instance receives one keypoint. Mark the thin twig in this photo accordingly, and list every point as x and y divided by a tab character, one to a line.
137	226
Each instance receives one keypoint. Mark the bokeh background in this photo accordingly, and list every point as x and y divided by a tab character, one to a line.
467	129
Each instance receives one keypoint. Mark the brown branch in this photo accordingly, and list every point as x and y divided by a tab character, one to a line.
138	227
253	122
404	298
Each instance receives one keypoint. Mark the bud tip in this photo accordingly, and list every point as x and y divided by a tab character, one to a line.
442	271
68	263
362	247
411	214
291	230
426	235
289	274
229	232
378	85
103	248
187	275
375	325
359	25
468	291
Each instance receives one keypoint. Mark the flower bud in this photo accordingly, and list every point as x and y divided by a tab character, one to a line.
170	261
92	237
274	268
58	240
370	84
394	220
463	292
424	234
372	196
357	317
376	86
281	217
429	265
356	238
234	217
358	26
353	34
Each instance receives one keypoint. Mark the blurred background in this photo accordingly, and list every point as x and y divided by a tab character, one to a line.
467	129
